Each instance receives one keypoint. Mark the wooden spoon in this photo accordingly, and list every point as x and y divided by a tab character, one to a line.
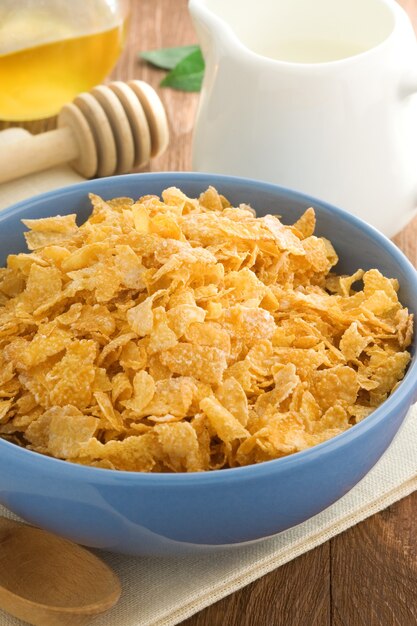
48	581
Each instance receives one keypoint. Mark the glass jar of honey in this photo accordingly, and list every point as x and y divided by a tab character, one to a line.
51	50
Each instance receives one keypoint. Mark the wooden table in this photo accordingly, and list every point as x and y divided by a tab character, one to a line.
366	576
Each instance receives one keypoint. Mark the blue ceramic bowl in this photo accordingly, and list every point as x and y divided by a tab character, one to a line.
170	514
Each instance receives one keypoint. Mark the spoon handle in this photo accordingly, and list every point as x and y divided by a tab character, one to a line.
34	153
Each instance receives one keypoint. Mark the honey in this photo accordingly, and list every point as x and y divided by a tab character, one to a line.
48	56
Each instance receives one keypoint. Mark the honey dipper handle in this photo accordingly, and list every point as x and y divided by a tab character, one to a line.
35	153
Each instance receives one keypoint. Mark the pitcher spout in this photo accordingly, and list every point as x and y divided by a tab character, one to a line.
213	30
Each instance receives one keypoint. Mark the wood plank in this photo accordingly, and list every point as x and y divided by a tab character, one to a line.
374	570
296	594
156	24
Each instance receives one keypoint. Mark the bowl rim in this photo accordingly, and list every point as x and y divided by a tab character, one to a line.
404	394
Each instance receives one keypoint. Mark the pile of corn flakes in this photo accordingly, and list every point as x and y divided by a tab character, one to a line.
181	335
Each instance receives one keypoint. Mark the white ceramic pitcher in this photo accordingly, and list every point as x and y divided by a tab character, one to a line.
317	95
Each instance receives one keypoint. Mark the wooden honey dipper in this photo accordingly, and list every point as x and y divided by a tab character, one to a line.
110	130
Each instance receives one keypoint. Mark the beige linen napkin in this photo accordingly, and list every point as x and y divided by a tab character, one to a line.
165	591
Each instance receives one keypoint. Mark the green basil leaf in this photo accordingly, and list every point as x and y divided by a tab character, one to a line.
188	74
167	58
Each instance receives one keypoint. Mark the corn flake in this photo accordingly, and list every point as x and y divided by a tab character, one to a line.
184	334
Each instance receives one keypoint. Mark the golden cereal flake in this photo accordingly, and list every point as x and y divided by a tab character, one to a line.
184	334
